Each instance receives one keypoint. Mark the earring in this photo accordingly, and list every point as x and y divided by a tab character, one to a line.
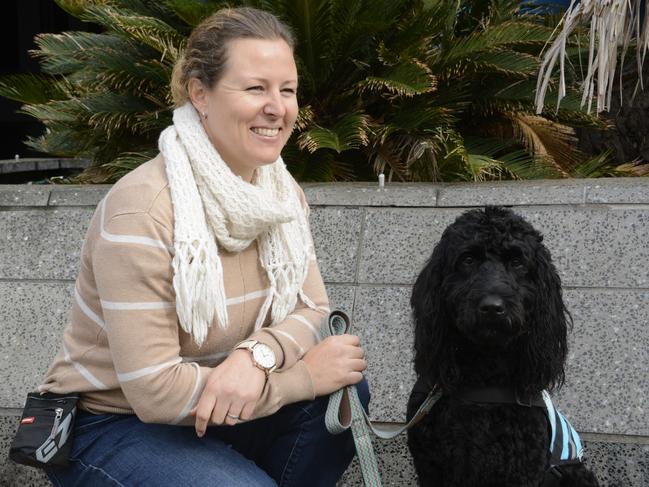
205	115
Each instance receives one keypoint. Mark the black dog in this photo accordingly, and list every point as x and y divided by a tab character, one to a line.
490	333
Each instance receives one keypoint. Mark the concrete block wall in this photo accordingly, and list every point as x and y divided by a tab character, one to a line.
371	244
29	164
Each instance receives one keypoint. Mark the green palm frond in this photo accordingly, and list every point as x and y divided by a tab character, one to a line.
513	89
507	34
507	61
145	78
34	88
522	165
150	31
484	168
116	112
322	165
349	133
310	21
100	60
452	156
193	11
472	158
70	51
416	115
340	24
404	80
603	165
148	8
69	139
62	111
519	94
75	7
519	163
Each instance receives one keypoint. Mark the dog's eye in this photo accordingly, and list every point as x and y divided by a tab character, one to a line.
516	263
467	260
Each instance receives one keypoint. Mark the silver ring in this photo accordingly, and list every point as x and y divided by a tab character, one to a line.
231	416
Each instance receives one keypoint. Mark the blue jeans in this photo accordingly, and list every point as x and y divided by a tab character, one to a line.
290	448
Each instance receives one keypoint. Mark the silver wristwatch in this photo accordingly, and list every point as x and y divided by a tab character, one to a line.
262	355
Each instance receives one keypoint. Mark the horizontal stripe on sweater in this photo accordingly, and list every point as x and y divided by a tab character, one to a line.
123	348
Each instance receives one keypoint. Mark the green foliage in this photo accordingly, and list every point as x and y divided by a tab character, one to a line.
425	90
33	89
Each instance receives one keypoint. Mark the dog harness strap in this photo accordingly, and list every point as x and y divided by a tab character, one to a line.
498	395
552	477
338	323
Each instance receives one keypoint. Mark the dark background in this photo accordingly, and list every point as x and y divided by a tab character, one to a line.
20	21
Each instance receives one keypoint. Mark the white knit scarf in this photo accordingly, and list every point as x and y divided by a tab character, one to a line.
213	205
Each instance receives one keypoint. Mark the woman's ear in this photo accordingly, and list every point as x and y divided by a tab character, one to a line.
198	92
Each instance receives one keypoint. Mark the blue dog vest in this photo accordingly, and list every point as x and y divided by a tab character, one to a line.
565	445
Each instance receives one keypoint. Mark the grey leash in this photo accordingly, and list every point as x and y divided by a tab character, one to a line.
338	323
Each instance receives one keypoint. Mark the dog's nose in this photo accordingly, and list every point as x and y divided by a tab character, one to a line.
492	305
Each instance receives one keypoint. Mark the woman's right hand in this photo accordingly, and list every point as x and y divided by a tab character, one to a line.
335	362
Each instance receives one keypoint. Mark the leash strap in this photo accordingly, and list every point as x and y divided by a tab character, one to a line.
338	323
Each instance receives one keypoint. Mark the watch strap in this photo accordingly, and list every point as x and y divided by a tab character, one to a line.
249	345
246	344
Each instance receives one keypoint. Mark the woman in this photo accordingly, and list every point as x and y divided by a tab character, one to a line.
199	298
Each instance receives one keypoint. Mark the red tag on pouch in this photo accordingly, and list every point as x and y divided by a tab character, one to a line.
28	420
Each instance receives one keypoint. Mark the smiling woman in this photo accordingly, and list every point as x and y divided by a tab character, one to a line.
200	298
249	114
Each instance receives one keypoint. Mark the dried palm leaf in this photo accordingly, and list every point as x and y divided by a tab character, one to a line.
613	23
552	141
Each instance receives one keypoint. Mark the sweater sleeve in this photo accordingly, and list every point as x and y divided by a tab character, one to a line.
285	387
300	330
131	262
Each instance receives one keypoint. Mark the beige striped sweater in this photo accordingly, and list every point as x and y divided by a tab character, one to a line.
123	348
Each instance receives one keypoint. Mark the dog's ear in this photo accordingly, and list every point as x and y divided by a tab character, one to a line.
434	360
546	346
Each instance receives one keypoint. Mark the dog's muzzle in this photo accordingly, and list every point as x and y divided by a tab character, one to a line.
492	320
492	307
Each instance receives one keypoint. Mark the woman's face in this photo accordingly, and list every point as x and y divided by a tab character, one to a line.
252	108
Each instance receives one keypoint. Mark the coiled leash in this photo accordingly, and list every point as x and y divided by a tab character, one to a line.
338	323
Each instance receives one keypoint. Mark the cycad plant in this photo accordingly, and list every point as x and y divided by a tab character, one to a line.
425	90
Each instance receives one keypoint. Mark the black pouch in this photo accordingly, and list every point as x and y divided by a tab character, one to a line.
44	435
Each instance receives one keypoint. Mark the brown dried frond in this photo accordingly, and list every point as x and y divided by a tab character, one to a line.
613	23
553	141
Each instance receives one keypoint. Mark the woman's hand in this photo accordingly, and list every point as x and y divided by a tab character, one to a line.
335	362
231	391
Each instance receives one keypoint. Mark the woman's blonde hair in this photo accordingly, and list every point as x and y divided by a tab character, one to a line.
206	52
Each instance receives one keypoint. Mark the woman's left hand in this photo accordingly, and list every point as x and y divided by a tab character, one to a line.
231	392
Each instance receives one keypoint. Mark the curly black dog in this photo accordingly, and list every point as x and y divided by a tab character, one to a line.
490	333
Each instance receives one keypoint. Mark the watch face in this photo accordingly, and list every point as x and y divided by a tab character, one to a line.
263	355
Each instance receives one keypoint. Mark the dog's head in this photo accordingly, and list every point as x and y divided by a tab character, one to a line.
490	282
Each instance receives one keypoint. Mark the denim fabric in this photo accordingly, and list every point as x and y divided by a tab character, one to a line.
291	448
